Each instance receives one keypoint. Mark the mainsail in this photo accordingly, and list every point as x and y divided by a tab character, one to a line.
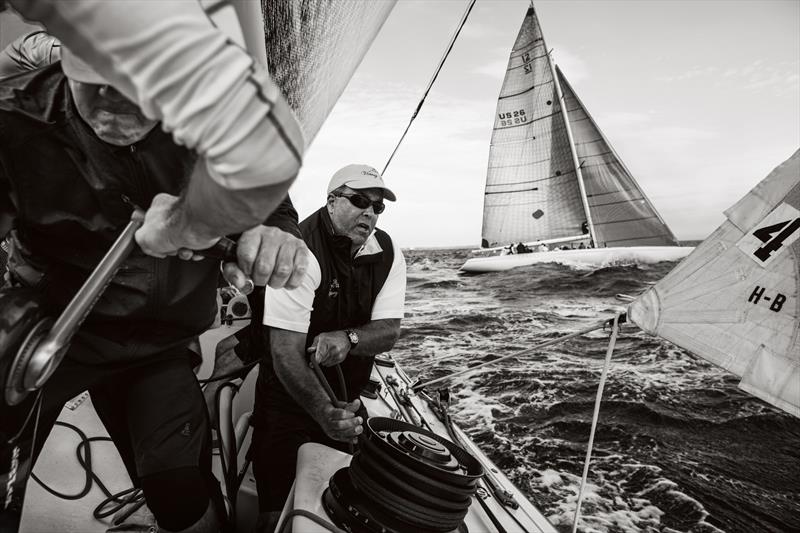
552	174
313	48
735	300
531	189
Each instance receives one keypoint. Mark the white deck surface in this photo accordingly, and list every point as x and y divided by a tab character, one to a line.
58	466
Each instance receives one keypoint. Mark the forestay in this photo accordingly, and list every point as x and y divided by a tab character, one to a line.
734	300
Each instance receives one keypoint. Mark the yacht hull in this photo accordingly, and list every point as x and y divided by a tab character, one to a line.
591	257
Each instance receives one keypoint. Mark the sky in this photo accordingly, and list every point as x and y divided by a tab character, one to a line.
700	99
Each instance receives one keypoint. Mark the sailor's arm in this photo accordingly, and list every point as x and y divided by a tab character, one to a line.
288	316
272	253
381	332
210	94
290	363
374	337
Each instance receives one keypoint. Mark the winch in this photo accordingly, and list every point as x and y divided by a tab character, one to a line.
403	478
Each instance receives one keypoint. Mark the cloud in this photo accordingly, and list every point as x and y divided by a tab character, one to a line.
781	77
693	73
494	69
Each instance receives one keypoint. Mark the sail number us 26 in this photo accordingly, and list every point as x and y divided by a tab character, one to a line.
512	118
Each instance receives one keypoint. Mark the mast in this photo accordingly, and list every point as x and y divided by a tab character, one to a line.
572	150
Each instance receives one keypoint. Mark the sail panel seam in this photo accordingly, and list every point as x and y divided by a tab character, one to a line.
502	97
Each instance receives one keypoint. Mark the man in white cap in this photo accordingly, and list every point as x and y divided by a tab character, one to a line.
75	155
346	310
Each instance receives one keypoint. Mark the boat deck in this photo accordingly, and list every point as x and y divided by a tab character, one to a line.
58	466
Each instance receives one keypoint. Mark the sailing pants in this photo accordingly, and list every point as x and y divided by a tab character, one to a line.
153	410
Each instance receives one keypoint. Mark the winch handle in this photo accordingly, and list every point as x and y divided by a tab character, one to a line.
50	351
224	250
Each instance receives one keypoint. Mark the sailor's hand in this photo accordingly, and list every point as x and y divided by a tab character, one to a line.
330	347
341	423
165	231
268	256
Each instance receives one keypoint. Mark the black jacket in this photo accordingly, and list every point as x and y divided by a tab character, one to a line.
65	188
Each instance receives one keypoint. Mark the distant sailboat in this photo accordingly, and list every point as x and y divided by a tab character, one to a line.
735	300
554	179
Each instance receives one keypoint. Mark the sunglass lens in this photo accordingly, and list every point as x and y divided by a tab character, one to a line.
362	202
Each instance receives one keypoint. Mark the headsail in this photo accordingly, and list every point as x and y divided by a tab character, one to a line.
735	300
531	189
314	46
620	212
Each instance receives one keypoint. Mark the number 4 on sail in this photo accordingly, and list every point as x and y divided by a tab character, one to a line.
770	238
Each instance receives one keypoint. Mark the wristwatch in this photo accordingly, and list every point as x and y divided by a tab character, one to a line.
352	336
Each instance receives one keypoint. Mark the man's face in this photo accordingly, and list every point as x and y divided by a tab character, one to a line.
113	118
350	220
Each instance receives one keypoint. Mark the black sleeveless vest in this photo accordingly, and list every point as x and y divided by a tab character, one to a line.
343	300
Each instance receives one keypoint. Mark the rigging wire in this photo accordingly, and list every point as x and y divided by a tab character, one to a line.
611	344
422	384
433	79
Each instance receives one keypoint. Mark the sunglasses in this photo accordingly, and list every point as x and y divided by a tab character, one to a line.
362	202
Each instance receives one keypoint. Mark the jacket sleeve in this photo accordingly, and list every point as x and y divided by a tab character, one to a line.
285	217
7	209
208	92
29	52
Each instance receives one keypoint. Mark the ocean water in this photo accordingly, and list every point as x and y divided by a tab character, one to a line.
679	448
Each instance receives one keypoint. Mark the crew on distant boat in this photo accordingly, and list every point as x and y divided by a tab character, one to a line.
522	248
132	350
347	309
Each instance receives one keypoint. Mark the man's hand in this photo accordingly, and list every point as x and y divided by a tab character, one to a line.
340	422
268	256
164	233
330	347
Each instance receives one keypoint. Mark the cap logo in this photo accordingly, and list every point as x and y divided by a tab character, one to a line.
373	173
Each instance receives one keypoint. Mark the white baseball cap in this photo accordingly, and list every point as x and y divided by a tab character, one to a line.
360	177
77	69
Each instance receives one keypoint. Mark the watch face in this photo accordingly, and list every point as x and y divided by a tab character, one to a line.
353	336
